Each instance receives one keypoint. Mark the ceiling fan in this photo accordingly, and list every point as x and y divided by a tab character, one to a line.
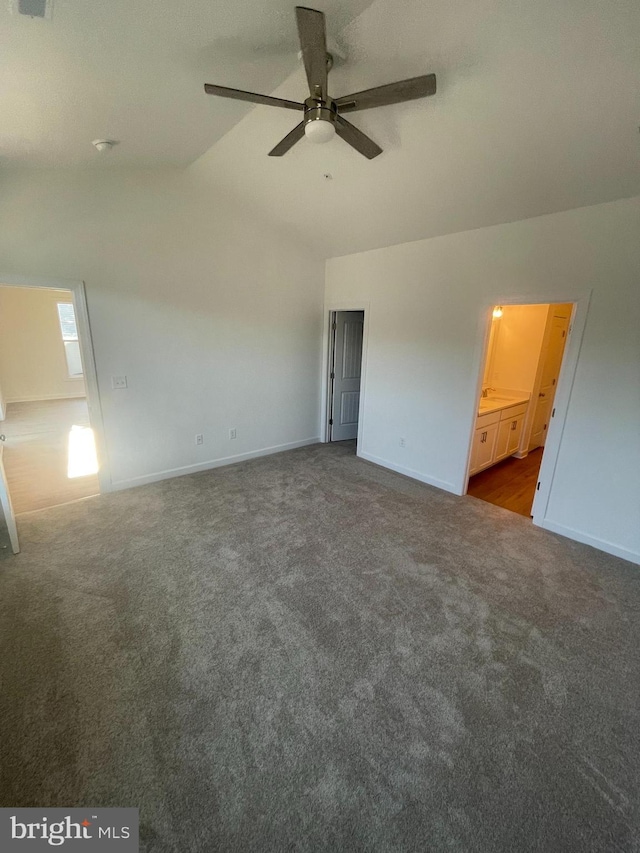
322	114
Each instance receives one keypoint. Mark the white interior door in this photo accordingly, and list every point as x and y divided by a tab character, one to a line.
549	382
6	510
347	369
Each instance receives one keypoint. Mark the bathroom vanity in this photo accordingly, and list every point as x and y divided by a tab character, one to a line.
498	429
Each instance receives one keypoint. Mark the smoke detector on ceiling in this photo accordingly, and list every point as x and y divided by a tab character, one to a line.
103	145
34	8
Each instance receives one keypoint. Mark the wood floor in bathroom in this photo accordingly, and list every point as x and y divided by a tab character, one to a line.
510	484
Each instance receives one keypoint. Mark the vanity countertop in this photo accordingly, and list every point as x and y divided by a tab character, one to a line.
496	402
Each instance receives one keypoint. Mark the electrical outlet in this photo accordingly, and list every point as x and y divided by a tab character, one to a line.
403	443
199	438
118	382
232	433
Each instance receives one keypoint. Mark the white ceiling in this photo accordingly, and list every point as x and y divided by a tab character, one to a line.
537	110
133	71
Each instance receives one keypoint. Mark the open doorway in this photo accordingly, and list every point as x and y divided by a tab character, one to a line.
48	450
523	362
345	375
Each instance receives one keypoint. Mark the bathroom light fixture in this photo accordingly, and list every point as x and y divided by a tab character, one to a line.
497	312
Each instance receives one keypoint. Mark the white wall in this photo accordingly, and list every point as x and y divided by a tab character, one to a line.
214	317
3	405
518	340
429	303
33	365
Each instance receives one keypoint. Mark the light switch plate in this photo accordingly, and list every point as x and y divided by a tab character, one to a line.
118	382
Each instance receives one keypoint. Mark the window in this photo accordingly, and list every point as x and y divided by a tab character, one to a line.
67	317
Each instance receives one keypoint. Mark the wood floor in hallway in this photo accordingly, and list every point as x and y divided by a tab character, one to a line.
510	484
36	453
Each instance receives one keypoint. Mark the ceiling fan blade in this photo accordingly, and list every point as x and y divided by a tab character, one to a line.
313	41
357	139
289	141
392	93
239	95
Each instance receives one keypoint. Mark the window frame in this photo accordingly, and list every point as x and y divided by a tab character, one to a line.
68	340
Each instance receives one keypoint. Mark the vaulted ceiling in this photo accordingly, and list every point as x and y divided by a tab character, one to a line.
537	109
133	71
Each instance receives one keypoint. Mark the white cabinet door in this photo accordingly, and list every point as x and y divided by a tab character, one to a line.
516	426
484	443
502	442
509	434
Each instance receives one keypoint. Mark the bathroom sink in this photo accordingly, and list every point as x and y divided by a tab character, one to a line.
496	399
499	401
487	406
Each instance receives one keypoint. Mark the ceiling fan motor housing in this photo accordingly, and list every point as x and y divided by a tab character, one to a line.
318	110
320	119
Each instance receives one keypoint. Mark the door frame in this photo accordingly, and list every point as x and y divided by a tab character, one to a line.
78	293
7	509
327	355
566	380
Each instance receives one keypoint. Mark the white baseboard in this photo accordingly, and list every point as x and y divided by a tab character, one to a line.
409	472
39	397
118	485
600	544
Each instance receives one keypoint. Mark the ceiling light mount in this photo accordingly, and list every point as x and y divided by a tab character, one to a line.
103	145
330	57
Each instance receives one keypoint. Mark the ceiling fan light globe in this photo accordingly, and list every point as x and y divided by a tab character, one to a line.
319	130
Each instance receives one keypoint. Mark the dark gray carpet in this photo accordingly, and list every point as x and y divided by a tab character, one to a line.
5	542
306	652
